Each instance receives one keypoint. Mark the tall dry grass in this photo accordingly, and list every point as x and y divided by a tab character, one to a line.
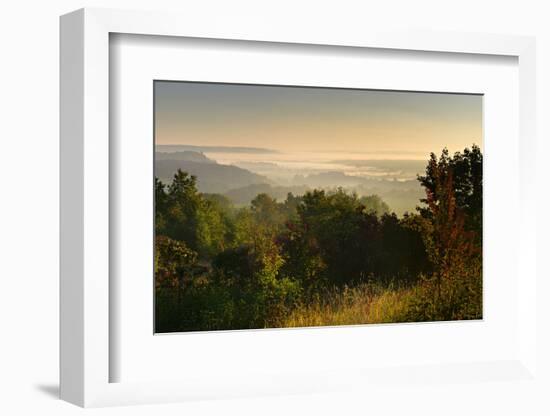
372	304
364	304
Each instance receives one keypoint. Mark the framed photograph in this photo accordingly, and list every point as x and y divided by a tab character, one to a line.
269	211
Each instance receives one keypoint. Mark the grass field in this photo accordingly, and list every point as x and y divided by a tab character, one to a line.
370	304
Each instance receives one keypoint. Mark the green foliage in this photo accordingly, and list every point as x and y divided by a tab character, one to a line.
374	205
466	170
182	213
336	240
251	274
322	258
452	237
266	211
174	263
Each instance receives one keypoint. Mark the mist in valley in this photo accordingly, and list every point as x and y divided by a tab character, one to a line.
240	174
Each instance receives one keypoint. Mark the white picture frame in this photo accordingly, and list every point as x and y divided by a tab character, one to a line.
85	353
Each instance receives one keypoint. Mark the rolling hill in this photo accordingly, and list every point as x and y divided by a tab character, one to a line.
211	177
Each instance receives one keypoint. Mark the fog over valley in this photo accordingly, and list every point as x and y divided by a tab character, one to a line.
242	173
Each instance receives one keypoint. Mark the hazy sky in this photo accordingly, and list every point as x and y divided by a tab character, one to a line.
298	119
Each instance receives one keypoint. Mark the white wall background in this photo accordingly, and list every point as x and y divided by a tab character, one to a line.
29	197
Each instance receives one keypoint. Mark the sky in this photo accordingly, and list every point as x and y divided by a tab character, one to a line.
400	125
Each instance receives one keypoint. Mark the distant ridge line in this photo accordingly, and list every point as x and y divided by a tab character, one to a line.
170	148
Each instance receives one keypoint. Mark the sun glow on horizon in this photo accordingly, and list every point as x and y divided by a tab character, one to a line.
400	125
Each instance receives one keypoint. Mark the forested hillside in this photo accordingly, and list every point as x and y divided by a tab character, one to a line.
315	256
211	177
241	181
